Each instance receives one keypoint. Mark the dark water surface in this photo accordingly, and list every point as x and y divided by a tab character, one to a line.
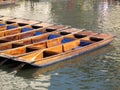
97	70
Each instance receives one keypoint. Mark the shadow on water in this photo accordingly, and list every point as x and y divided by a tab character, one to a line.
29	71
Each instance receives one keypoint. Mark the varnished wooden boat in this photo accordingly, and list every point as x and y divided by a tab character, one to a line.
21	22
7	23
11	30
63	51
51	51
31	33
41	44
52	41
38	38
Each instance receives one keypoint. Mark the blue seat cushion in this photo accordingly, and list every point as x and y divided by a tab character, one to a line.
84	43
65	40
26	29
11	27
2	24
38	33
51	36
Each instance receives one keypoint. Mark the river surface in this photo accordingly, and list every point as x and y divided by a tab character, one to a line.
96	70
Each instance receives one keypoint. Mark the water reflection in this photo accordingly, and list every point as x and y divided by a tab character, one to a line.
60	74
76	13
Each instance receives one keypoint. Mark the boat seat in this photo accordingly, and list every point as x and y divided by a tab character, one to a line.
53	42
51	36
82	43
11	27
38	33
65	40
26	29
2	24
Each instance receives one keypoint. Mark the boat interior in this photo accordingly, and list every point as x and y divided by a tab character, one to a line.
54	50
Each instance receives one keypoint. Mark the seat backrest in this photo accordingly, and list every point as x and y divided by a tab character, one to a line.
54	42
40	38
52	51
25	35
40	45
71	45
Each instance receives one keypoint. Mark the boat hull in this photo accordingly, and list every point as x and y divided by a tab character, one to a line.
49	43
71	53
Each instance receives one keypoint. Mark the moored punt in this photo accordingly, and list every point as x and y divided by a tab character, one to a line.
5	27
52	41
20	22
10	30
60	52
30	32
43	37
40	44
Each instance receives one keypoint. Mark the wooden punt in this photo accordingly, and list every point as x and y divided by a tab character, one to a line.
61	52
31	33
22	22
35	39
41	44
7	23
5	27
20	51
10	30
